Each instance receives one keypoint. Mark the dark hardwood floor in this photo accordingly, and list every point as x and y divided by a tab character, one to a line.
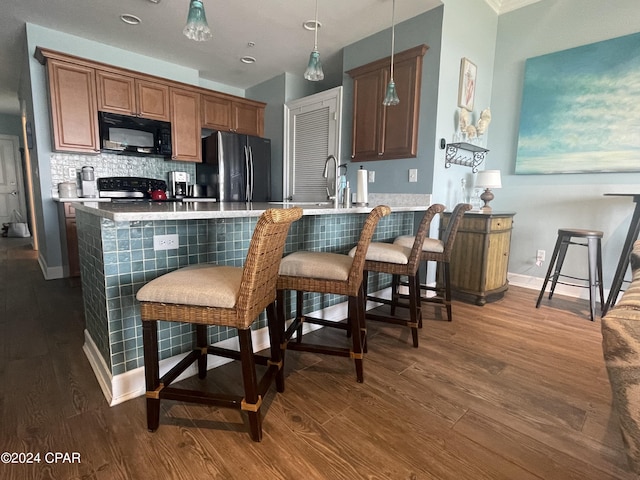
504	391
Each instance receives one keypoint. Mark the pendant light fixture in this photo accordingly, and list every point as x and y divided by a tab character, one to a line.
391	97
197	28
314	69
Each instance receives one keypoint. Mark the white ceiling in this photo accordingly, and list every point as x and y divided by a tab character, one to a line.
275	26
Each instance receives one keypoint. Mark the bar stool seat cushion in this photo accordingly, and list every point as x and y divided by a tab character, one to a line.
386	252
204	285
321	265
430	244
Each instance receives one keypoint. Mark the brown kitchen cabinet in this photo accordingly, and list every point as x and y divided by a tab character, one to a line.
379	132
74	110
480	255
80	87
223	113
127	95
185	125
71	239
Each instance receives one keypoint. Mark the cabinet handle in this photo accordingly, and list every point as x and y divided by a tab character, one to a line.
380	154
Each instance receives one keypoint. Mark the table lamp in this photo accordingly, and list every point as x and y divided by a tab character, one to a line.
488	179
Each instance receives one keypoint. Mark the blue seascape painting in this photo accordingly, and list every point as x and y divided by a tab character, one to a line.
580	110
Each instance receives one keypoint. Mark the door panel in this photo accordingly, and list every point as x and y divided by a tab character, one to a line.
312	129
11	189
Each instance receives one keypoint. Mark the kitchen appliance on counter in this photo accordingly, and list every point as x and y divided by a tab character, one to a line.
129	188
178	184
235	168
88	182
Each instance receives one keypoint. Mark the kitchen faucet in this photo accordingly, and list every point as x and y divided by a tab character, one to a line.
336	178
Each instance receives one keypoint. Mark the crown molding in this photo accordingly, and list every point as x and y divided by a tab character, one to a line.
504	6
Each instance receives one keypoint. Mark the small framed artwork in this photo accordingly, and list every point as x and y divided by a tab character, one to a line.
467	86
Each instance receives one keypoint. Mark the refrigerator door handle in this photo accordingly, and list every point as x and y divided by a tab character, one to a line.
247	195
252	177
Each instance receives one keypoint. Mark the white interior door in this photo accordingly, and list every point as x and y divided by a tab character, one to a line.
312	133
11	185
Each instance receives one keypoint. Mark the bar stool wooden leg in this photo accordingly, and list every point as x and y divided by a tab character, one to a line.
252	401
395	285
202	343
356	336
413	309
275	341
299	314
151	372
416	280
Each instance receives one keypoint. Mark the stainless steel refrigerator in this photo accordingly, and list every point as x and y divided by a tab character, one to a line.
235	168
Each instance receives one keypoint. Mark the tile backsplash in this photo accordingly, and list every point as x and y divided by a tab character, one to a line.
111	165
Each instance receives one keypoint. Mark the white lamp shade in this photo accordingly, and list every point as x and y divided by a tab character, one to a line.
489	179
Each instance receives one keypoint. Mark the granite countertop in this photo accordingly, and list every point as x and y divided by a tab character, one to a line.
203	210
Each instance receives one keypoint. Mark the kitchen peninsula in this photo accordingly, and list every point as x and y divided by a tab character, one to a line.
117	257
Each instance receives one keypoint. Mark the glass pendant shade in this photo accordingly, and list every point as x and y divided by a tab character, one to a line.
197	28
314	69
391	97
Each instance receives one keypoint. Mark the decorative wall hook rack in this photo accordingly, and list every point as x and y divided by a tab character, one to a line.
452	155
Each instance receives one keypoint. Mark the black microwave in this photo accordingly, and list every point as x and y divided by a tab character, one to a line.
134	135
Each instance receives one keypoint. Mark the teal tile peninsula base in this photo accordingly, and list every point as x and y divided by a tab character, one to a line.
117	258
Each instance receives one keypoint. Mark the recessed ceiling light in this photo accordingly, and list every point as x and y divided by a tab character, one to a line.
130	19
248	59
154	1
311	25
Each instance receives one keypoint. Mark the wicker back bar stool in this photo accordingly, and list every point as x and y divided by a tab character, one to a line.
333	273
439	251
227	296
590	239
398	261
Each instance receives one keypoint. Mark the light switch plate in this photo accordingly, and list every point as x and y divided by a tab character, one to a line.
372	176
413	174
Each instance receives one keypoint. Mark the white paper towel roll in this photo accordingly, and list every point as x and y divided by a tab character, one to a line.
362	193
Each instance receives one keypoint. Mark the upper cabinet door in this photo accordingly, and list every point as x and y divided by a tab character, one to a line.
74	108
379	132
153	100
116	93
367	142
222	113
248	118
401	121
216	113
127	95
185	125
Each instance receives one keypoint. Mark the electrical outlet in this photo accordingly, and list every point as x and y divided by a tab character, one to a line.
541	255
71	172
166	242
413	174
372	176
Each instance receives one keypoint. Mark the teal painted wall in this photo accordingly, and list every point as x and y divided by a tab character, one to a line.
545	203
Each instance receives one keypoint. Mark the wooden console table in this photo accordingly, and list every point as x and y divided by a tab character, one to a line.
480	255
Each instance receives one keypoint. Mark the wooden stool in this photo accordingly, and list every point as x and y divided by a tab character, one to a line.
325	272
219	295
398	260
593	244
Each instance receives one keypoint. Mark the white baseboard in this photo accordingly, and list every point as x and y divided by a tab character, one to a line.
535	283
50	273
131	384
